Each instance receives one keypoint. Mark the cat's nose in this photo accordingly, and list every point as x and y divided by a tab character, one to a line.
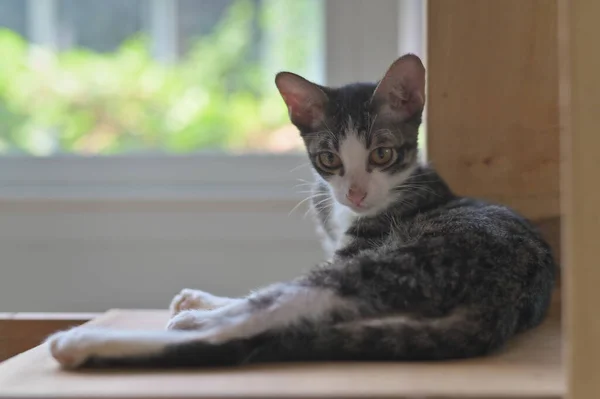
356	195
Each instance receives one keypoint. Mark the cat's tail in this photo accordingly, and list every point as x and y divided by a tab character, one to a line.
457	335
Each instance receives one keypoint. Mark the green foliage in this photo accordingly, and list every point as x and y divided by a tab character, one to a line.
85	102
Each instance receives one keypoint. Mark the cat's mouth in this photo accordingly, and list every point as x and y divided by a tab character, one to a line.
364	208
360	209
367	209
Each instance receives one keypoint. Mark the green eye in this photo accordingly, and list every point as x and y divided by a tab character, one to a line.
382	156
329	161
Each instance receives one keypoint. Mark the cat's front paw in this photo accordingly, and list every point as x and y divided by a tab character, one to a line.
74	347
189	320
189	299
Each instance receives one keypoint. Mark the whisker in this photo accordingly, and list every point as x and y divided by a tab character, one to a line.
311	192
321	201
371	125
317	133
329	213
329	130
303	201
325	209
299	167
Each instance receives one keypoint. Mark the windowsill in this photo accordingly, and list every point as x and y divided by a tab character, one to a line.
206	177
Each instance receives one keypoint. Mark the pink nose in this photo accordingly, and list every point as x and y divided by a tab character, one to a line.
356	196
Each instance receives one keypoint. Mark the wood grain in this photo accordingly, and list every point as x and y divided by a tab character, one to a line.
492	118
550	230
580	100
530	367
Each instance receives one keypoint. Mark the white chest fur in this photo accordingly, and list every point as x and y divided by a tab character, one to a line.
341	219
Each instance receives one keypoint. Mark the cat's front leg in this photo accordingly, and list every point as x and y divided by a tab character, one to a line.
189	299
193	319
273	308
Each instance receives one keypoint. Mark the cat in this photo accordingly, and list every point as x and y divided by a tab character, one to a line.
413	271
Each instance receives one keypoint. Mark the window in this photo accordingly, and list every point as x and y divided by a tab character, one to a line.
160	76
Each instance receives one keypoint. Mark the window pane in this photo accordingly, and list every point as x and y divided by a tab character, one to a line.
98	25
13	15
198	18
108	89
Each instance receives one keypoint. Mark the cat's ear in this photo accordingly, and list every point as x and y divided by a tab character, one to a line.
305	100
401	92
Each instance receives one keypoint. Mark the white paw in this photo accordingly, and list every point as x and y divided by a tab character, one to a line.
189	299
72	348
188	320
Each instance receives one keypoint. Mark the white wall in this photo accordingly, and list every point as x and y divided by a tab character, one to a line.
94	256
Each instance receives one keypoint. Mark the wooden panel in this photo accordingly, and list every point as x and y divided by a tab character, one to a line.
580	99
492	127
22	331
550	230
529	368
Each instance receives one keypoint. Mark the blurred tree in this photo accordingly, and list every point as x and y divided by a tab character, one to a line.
219	95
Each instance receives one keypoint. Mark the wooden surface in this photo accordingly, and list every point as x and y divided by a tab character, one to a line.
528	368
550	229
580	99
22	331
492	117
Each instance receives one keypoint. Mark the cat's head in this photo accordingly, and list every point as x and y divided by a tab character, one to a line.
360	138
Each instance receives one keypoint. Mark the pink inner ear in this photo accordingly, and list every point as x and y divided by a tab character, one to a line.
402	89
405	101
292	101
302	110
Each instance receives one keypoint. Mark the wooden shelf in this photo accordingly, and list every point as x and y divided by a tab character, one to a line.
529	367
22	331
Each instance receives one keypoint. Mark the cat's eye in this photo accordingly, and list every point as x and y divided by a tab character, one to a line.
382	156
329	161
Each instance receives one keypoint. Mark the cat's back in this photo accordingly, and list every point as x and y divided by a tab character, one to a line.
493	244
484	234
464	215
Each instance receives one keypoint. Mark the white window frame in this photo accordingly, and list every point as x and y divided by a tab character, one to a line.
41	22
163	29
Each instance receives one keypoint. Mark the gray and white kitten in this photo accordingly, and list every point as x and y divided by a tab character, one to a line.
415	272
